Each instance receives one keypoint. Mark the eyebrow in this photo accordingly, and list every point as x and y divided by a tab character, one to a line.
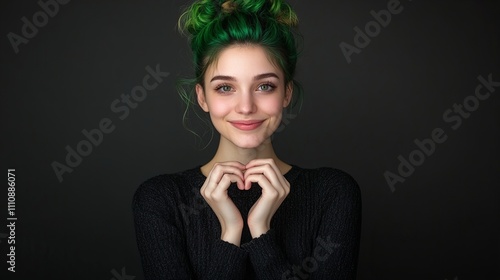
231	78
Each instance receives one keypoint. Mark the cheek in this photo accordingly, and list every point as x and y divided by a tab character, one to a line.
219	109
272	106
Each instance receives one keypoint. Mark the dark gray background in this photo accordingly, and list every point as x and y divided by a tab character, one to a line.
441	223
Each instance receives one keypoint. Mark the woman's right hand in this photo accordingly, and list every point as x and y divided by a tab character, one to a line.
214	191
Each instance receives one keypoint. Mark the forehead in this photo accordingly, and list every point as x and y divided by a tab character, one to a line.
243	60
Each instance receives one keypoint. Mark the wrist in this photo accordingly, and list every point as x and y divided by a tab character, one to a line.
258	230
232	236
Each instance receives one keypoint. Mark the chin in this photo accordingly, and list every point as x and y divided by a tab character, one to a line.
248	143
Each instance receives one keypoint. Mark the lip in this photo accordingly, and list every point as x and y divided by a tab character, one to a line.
246	125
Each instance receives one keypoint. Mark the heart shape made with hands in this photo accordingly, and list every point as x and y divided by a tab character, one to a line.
245	180
259	168
249	183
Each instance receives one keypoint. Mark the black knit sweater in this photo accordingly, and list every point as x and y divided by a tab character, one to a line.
314	234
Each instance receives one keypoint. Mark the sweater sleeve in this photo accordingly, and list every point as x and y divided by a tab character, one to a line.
340	230
336	248
161	239
228	262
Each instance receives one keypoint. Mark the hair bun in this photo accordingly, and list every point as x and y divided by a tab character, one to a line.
228	6
282	12
203	12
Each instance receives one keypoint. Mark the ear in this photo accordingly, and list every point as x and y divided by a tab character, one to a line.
288	94
201	97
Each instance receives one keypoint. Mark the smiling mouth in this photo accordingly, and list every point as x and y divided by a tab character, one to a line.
247	125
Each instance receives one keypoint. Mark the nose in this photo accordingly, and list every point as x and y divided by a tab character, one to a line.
246	104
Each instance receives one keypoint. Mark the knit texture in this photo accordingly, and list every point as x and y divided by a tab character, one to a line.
314	234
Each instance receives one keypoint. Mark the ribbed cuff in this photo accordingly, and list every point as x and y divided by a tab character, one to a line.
266	256
228	261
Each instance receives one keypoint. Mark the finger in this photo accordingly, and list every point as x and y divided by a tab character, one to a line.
220	202
215	190
272	164
219	170
220	191
269	192
278	181
267	170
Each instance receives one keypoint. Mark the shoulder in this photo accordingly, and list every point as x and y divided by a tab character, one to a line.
329	176
339	178
161	188
333	183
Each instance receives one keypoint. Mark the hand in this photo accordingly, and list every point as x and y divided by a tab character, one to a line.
275	188
214	191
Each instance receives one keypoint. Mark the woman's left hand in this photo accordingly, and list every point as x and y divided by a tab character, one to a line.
275	189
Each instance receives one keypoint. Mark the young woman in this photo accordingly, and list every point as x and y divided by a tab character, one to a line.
246	214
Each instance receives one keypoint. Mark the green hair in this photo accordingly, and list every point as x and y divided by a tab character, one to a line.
212	26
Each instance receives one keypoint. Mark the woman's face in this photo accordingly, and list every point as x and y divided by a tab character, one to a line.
241	87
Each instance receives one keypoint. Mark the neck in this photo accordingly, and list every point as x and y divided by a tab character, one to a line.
227	151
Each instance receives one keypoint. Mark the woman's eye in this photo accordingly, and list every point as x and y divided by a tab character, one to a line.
224	88
266	87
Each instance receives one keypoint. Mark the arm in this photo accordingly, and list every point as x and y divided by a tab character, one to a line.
340	230
161	239
336	245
